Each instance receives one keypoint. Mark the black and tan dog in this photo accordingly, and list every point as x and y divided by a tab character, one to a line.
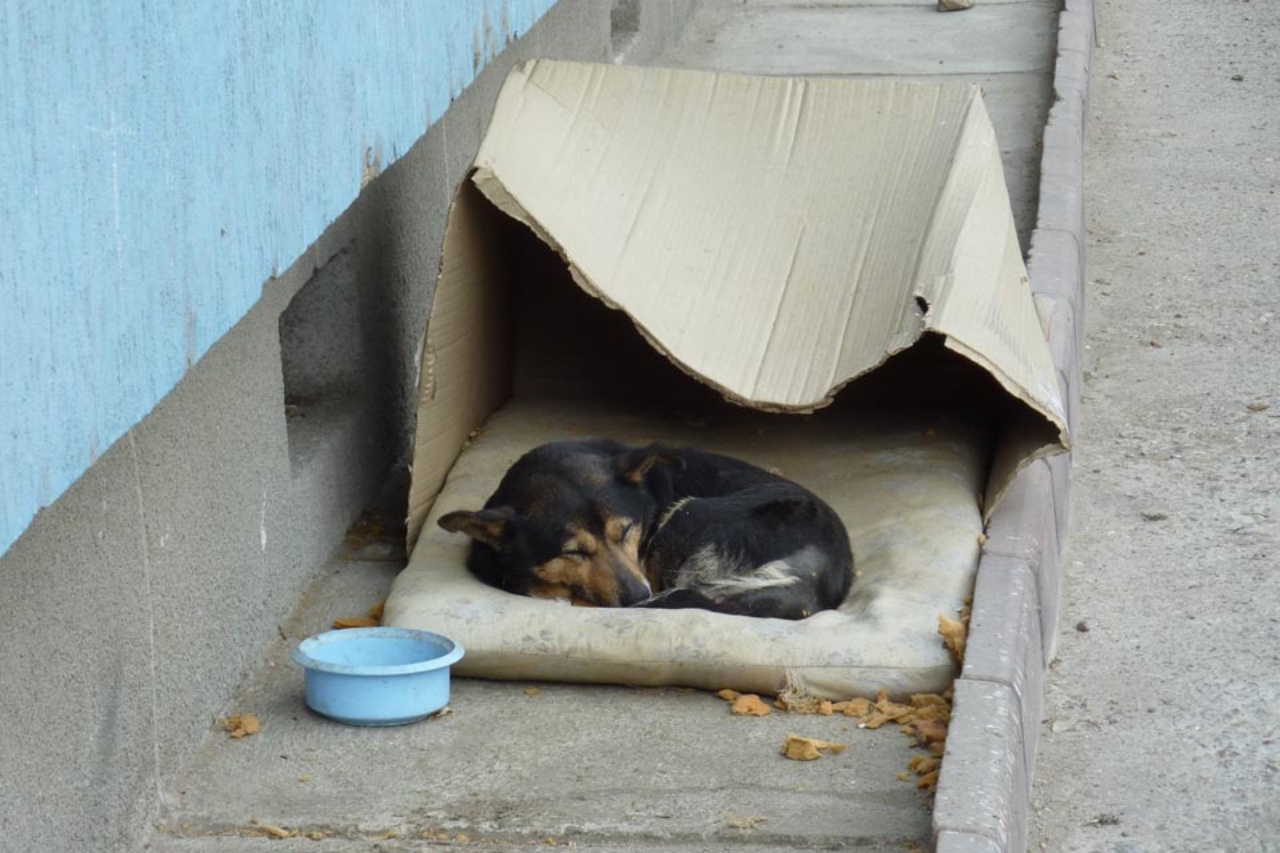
601	523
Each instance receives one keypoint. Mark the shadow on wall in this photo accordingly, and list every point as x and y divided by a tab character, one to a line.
337	350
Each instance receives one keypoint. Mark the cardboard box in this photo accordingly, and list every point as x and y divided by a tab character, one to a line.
677	239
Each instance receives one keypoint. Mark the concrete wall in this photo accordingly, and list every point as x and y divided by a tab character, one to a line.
132	606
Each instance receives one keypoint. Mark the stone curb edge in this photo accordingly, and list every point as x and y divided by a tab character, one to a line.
984	789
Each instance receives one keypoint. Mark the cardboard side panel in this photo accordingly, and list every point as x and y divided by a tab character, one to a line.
466	356
985	308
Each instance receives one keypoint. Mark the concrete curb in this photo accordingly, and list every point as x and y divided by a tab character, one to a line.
984	790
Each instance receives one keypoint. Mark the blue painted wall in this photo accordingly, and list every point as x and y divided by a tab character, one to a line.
160	162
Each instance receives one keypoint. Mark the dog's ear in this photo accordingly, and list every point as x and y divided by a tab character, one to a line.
488	525
634	465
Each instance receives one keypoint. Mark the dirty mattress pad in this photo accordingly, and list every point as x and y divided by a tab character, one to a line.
906	486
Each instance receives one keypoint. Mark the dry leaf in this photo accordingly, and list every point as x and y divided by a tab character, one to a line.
928	782
799	748
356	622
242	725
874	721
274	831
923	764
728	695
533	691
931	731
750	705
746	821
953	633
893	710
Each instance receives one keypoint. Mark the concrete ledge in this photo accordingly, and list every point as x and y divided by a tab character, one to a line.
1064	333
1055	268
1061	205
1006	646
1024	528
984	767
985	785
1060	477
964	842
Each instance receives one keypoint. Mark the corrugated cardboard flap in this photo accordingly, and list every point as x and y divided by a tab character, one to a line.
776	238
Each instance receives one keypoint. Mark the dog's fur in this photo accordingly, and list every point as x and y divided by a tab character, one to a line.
601	523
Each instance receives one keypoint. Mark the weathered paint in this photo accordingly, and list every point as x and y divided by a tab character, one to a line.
161	161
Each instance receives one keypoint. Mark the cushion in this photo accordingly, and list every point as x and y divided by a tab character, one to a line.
907	486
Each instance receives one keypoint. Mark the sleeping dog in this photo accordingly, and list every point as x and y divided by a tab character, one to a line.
600	523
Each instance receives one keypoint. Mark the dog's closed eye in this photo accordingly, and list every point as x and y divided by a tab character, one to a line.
620	529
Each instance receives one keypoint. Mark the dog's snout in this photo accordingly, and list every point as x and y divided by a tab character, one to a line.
632	589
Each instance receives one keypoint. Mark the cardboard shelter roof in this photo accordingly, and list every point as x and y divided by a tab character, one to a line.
775	238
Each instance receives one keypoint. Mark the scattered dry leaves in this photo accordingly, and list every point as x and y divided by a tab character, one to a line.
241	725
924	718
954	633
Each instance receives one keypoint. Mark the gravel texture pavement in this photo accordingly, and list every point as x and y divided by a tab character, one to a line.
1162	718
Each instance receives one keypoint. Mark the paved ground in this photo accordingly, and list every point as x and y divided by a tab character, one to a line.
1004	45
516	765
1163	717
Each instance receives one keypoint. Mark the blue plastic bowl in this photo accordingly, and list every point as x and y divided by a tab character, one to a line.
377	676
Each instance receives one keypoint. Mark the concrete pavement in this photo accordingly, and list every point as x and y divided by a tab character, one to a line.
1161	715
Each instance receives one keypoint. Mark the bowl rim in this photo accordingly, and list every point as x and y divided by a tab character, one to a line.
301	653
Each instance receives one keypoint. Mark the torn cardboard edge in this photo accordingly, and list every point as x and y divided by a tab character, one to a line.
774	238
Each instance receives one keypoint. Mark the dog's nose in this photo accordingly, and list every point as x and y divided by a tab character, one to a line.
632	589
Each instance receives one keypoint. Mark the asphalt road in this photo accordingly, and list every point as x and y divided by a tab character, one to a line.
1163	708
